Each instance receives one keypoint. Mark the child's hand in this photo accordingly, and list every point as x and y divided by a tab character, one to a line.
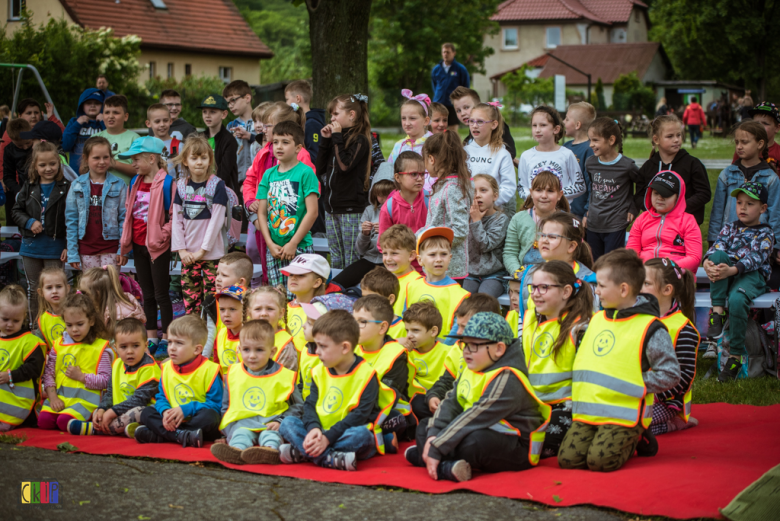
433	468
272	426
56	403
241	133
97	417
433	404
288	251
198	255
475	212
276	251
254	207
49	109
404	341
64	256
37	227
74	372
327	131
427	447
76	265
108	417
335	127
366	227
317	443
630	217
585	223
4	378
172	418
82	119
121	260
186	257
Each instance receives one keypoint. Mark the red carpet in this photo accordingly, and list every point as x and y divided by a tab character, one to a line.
695	472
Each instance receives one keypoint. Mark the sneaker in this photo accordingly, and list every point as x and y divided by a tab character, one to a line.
730	370
80	428
143	434
226	453
458	471
289	454
712	351
190	438
260	456
648	445
412	455
151	347
341	461
162	350
131	428
716	322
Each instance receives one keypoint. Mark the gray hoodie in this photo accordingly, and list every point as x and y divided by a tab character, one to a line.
486	244
366	245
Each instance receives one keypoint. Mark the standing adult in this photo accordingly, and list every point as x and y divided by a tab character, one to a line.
696	119
446	76
102	84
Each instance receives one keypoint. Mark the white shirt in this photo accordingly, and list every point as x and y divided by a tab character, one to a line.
498	164
562	162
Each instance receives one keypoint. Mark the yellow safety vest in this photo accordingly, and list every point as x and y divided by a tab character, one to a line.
228	351
16	403
79	401
51	327
397	329
471	386
281	339
339	394
296	318
382	361
454	362
429	366
124	384
513	319
181	389
550	376
252	396
445	298
607	383
306	363
404	280
674	323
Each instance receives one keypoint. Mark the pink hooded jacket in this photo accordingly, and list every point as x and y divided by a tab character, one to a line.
675	234
158	225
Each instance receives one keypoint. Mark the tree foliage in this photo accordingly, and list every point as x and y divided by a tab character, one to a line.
629	93
193	90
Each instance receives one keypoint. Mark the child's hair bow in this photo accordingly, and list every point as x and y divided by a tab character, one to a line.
422	99
496	104
359	97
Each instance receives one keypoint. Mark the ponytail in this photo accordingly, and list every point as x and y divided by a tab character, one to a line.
682	281
572	228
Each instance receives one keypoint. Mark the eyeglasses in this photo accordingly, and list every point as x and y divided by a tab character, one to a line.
551	237
362	323
478	122
172	105
233	100
416	175
473	347
541	288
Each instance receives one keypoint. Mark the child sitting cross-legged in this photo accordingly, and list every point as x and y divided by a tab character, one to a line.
134	381
493	421
189	400
381	282
260	394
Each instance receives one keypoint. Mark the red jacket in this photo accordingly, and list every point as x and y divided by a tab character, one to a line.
158	228
694	115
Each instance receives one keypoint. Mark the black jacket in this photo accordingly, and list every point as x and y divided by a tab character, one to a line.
28	206
342	172
226	155
15	168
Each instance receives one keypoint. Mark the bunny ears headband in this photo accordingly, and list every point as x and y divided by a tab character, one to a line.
422	99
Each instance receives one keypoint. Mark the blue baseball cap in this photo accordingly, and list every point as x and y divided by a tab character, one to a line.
144	145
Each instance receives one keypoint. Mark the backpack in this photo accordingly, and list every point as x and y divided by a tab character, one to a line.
166	190
761	358
211	187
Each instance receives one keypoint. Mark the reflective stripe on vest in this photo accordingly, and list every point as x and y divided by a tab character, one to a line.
429	366
51	327
79	401
16	403
675	323
306	363
181	389
124	384
607	383
445	298
471	386
296	318
228	352
382	361
253	396
550	375
281	339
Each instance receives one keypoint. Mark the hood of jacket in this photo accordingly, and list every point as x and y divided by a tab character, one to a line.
88	94
645	304
681	161
317	115
679	208
383	173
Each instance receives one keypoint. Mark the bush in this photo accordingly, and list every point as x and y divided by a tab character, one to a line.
629	93
193	90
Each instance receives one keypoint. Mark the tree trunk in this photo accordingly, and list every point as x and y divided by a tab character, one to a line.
338	30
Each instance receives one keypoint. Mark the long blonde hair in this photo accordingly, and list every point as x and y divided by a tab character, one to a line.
490	180
43	304
103	286
42	148
497	134
279	298
195	145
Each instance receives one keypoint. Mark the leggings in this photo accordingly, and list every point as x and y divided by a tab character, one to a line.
492	287
197	280
32	270
154	278
354	273
51	420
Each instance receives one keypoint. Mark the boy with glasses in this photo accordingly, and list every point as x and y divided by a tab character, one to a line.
238	95
180	128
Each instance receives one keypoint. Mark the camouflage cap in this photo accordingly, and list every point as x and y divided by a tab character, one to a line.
487	326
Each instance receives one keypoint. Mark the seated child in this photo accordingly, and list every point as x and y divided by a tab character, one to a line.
513	315
134	380
613	383
22	360
407	204
494	406
665	229
53	289
105	289
434	251
189	399
307	277
487	233
380	281
737	265
231	310
399	250
260	394
423	323
78	368
267	303
343	400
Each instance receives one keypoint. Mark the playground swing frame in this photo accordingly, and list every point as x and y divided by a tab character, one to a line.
18	86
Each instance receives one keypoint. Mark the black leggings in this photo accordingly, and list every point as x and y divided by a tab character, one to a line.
154	279
354	273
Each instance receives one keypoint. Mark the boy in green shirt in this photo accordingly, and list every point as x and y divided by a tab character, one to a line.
115	114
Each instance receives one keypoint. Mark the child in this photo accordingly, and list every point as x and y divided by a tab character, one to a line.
494	406
147	231
270	304
767	114
234	269
260	395
549	156
288	196
366	244
579	117
299	92
342	402
737	265
696	119
666	229
667	135
382	282
115	114
214	110
610	421
238	96
105	288
452	195
344	166
675	289
751	145
440	115
513	315
422	322
434	251
201	219
189	398
308	354
22	360
231	311
258	117
611	208
415	117
307	276
39	213
180	128
53	289
95	210
85	125
78	367
521	248
487	154
487	233
134	381
51	132
399	250
16	156
159	123
551	333
463	101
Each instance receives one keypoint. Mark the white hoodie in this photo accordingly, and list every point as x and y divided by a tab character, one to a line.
496	164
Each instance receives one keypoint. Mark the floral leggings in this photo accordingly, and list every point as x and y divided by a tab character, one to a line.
197	280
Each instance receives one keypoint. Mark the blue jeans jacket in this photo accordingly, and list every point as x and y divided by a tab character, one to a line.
724	207
77	211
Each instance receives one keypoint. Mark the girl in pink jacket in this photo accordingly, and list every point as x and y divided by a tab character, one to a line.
665	230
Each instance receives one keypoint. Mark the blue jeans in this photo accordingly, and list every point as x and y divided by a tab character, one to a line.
695	131
359	440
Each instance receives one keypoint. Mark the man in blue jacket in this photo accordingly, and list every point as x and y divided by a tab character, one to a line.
446	76
87	123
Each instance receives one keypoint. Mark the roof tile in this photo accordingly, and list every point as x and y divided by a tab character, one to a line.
605	61
599	11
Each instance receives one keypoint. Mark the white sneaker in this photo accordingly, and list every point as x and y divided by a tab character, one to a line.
712	351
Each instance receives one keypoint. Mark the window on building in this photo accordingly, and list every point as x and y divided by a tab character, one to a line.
225	74
15	9
510	38
152	70
159	4
553	37
188	69
618	35
170	71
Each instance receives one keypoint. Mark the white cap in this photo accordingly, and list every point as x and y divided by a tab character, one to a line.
308	263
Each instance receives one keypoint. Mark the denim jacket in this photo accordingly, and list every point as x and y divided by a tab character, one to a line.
724	207
77	211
